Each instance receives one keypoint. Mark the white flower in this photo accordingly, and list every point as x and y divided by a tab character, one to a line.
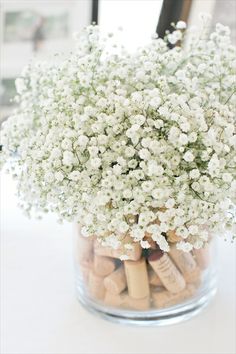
181	25
20	85
74	176
138	174
227	177
55	153
147	186
174	37
139	119
83	140
194	174
155	102
145	244
49	177
182	231
129	151
173	133
164	227
188	156
134	143
184	246
93	150
157	193
193	229
124	257
162	243
127	193
144	154
154	169
213	164
117	170
170	203
95	162
185	127
59	176
123	227
66	144
136	97
183	139
68	158
137	233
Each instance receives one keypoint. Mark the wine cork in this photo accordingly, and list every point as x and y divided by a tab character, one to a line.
194	277
103	265
153	278
170	276
202	256
137	278
172	237
163	299
137	304
184	261
115	283
115	300
197	281
132	254
84	251
96	286
123	300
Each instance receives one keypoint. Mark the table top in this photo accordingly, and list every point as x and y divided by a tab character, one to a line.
40	313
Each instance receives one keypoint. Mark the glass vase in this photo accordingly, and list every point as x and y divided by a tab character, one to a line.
147	287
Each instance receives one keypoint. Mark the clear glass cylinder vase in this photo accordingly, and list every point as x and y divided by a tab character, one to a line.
147	287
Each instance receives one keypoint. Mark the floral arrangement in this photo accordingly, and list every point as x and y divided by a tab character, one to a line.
139	144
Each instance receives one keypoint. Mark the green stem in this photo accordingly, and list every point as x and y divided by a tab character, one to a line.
230	97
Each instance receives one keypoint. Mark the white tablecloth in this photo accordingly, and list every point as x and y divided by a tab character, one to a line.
40	314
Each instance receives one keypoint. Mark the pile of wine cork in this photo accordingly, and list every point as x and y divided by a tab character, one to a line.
148	279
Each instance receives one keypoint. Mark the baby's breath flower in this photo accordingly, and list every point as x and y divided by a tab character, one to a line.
132	143
188	156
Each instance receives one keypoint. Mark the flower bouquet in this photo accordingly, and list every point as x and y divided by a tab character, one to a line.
139	151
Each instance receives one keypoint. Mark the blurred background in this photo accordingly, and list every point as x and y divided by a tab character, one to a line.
37	29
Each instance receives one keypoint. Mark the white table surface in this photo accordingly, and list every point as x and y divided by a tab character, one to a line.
40	314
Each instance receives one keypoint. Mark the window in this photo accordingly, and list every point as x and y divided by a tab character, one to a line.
137	18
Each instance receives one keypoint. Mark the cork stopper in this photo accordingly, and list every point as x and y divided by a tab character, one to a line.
115	283
168	273
184	261
137	278
155	255
194	277
96	286
137	304
115	300
202	256
149	278
123	300
103	265
172	237
162	299
153	278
